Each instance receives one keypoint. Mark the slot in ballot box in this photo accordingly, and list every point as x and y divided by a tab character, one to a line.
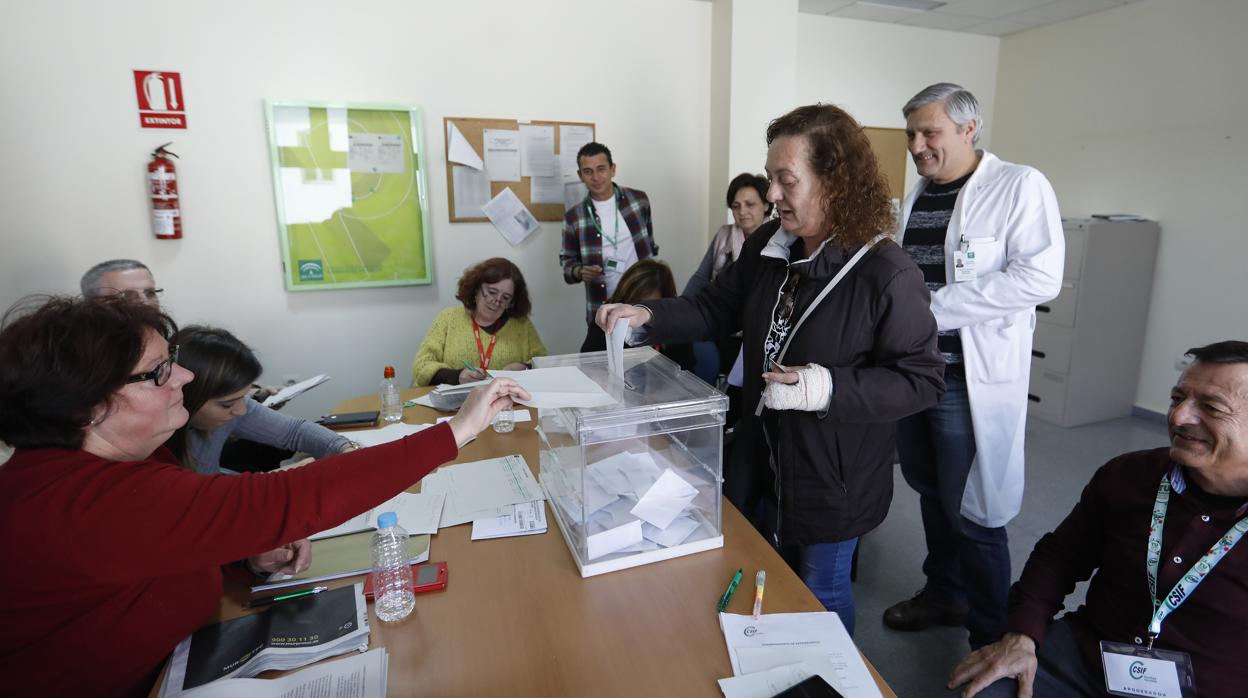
638	481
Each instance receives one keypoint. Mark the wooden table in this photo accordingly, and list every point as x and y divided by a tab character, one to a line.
517	619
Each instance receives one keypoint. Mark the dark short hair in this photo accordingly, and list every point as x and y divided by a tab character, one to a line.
757	182
222	364
643	278
491	271
1231	351
61	357
90	282
857	205
591	149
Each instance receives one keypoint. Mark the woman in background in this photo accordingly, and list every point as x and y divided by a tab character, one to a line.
492	328
220	407
747	199
646	280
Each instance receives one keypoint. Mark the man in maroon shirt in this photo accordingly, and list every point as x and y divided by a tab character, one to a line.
1196	492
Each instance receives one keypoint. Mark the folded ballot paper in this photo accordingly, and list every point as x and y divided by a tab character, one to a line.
286	635
358	676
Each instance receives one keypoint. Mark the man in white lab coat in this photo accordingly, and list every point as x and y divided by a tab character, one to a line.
988	237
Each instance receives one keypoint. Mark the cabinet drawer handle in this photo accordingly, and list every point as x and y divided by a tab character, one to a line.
1043	309
1033	398
1038	354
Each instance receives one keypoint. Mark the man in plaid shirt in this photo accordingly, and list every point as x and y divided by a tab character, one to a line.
607	232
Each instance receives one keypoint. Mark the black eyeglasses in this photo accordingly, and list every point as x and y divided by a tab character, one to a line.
160	374
150	294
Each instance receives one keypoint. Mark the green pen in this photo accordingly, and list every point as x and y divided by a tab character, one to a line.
282	597
470	367
732	586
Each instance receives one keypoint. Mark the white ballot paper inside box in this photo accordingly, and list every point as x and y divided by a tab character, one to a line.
799	634
613	540
615	348
666	499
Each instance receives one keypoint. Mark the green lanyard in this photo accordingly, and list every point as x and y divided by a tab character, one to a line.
1188	582
593	216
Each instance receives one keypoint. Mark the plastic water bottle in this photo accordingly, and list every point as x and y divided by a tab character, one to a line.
392	571
391	402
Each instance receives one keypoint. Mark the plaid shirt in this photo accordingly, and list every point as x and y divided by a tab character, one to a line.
582	243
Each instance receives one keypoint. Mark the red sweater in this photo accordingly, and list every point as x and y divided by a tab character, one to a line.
108	565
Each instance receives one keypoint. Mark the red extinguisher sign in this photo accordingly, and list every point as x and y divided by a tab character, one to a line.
162	186
160	99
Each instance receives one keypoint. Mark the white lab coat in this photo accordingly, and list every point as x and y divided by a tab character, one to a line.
1009	215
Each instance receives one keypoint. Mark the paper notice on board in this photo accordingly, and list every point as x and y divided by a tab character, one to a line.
376	153
571	139
502	155
546	190
509	215
459	150
537	151
472	191
573	194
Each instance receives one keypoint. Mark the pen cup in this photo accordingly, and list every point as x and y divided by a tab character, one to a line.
504	421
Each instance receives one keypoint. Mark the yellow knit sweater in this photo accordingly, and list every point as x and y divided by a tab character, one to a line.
450	341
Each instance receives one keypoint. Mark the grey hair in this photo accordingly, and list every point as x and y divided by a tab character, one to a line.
90	282
960	105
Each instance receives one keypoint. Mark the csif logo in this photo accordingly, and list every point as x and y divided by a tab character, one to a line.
1137	670
751	630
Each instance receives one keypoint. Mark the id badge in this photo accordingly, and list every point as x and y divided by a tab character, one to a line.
613	265
1132	670
964	265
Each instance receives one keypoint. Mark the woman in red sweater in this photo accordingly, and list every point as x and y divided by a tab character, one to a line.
112	551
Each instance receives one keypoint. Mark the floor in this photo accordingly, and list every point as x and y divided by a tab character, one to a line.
1059	463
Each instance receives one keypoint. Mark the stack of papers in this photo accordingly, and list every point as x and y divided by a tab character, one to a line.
284	395
358	676
780	650
524	519
485	489
286	635
418	513
341	556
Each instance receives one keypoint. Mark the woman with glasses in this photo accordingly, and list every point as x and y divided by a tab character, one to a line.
115	551
838	343
219	402
491	330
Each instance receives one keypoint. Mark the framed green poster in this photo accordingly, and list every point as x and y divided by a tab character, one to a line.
351	193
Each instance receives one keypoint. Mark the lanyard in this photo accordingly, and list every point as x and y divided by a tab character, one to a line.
482	352
593	216
1188	582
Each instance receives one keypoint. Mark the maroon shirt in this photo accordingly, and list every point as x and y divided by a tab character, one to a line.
1107	533
108	565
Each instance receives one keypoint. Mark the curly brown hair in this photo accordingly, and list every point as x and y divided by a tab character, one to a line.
857	204
491	271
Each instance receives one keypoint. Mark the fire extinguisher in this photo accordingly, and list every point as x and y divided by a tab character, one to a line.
162	181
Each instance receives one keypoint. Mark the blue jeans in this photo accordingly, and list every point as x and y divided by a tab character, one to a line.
965	562
823	567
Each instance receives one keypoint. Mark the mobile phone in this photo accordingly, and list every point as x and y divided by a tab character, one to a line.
349	419
812	687
426	576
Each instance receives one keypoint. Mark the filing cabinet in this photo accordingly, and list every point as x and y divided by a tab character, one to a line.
1088	341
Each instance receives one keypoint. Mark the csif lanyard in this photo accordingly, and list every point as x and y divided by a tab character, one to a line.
593	216
1192	579
482	352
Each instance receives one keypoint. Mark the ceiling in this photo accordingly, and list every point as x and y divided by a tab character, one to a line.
991	17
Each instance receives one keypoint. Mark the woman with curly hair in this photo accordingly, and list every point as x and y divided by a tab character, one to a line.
838	342
492	328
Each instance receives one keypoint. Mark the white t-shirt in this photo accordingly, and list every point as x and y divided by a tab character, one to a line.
619	255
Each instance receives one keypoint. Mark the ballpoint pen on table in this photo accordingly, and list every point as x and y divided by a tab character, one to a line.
283	597
759	580
732	586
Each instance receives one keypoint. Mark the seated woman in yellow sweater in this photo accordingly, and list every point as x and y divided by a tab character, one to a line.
492	329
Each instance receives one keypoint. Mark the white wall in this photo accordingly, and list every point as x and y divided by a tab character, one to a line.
72	188
871	69
1141	109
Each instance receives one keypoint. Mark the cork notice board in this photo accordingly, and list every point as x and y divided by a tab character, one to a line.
473	131
891	152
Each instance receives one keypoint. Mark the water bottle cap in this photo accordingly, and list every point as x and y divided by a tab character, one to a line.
387	520
388	373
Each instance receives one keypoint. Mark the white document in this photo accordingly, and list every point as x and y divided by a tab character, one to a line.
525	519
355	676
546	190
768	683
613	540
756	659
516	416
376	153
386	434
418	514
571	139
508	214
483	489
573	194
560	386
284	395
502	155
802	631
615	348
459	150
666	499
472	191
537	151
675	533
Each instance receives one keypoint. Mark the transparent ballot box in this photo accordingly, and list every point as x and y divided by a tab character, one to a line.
637	481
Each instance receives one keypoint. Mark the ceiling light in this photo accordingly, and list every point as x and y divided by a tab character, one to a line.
912	5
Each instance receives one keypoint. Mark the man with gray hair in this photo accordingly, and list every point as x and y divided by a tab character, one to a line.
126	277
988	237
